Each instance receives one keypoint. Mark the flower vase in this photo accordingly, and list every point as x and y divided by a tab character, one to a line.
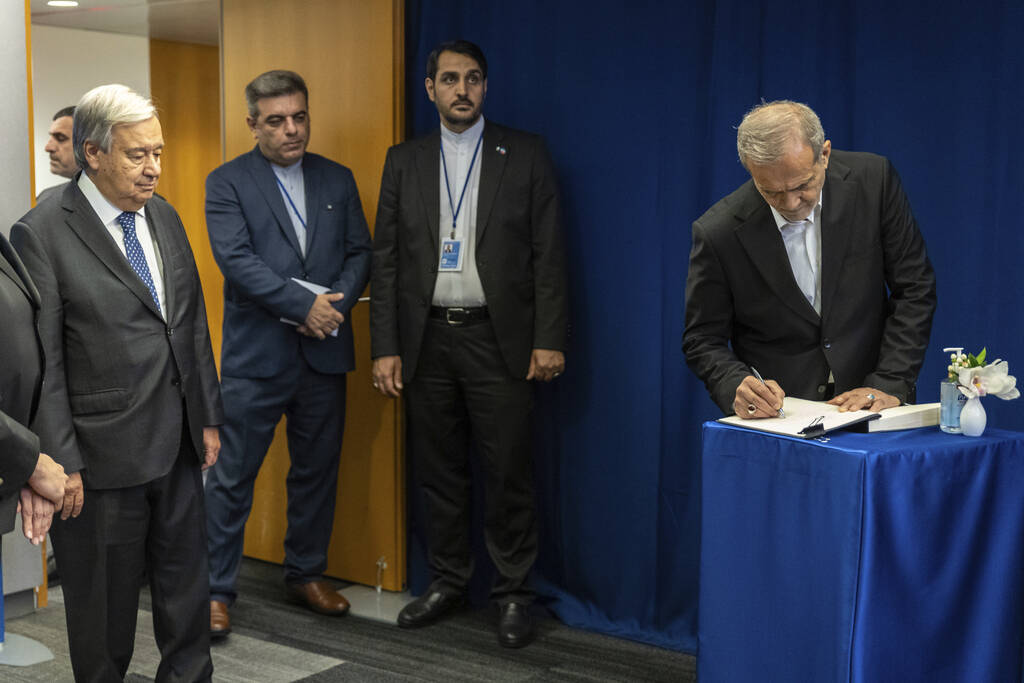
972	417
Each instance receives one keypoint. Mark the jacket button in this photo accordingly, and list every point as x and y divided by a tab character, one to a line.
827	343
176	381
170	331
821	388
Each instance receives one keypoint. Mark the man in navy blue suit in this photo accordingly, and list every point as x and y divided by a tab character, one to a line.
289	234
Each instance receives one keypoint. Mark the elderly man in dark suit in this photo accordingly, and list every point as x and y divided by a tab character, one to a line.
813	272
289	234
30	481
131	403
469	306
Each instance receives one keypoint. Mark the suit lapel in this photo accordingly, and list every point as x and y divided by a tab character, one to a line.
160	228
427	162
836	200
492	166
11	266
760	238
311	182
84	222
266	181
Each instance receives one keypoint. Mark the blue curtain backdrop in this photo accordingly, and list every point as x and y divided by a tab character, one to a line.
638	105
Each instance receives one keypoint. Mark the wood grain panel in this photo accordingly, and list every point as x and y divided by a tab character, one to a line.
185	84
349	53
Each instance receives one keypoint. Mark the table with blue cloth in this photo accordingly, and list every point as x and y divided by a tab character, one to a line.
893	556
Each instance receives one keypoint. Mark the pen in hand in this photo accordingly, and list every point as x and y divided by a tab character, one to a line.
760	379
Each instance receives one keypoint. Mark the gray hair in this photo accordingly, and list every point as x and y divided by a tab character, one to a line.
770	127
100	110
273	84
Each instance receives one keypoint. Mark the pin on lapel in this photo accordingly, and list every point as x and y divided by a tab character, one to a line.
330	207
500	150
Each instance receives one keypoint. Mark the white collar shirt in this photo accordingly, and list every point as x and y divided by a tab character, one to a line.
108	213
462	288
805	252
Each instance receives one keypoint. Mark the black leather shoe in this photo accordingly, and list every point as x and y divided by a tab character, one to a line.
515	626
428	608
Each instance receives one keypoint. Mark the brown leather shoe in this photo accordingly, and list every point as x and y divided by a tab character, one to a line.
318	596
220	620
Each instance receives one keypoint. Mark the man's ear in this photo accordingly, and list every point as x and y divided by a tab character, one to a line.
428	83
251	122
92	154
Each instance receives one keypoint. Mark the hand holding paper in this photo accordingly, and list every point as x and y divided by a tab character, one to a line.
322	319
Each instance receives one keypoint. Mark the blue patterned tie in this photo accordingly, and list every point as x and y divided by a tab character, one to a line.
136	257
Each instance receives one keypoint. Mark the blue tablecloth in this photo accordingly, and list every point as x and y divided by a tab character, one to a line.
896	556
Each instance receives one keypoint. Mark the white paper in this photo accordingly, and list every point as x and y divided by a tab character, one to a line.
316	289
800	413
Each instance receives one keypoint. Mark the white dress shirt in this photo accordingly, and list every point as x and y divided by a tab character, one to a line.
108	214
291	179
460	288
804	253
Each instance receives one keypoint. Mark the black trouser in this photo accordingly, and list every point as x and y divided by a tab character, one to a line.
156	529
463	390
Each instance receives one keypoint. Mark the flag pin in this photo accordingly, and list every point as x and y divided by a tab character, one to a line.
499	149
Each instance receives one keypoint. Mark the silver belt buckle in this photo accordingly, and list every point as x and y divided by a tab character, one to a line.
448	316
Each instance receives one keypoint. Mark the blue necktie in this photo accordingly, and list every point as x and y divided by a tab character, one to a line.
136	257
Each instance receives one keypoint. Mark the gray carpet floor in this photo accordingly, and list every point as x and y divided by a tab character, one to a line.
274	641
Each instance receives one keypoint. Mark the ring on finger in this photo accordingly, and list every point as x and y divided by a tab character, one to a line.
871	397
751	409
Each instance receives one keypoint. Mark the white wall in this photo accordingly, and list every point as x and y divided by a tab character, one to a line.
15	194
68	62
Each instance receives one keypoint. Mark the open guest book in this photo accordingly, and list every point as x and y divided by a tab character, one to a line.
811	419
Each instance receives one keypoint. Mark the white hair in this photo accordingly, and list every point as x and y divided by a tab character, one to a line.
100	110
768	129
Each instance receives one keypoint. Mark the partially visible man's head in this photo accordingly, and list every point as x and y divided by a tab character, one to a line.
456	83
62	156
118	143
783	146
278	103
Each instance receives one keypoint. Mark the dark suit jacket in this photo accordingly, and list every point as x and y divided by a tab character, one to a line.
255	246
20	380
119	379
743	306
519	252
54	192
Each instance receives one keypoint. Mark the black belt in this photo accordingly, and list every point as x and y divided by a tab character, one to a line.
458	315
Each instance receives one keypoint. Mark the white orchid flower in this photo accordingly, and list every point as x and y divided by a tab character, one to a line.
994	379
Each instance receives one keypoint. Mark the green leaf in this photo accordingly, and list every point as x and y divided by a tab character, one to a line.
981	357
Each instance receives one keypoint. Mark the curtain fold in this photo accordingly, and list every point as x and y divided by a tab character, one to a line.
639	105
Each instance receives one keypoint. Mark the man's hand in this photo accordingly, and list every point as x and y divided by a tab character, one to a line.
755	400
864	398
211	446
49	480
545	365
36	515
74	496
323	318
387	375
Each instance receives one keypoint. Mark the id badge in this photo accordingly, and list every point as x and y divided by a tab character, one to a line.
451	256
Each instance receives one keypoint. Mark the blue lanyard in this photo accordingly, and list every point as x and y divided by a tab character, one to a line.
285	190
447	185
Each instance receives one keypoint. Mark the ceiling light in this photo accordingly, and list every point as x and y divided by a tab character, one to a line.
63	3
